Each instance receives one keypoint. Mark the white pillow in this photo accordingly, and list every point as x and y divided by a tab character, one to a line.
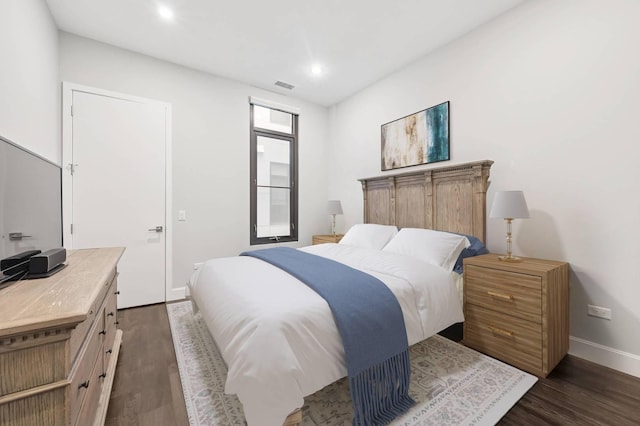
435	247
369	235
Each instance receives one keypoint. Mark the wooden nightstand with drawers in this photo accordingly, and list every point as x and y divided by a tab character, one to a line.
517	312
320	239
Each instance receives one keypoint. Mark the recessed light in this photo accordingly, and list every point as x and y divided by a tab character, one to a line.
316	70
165	13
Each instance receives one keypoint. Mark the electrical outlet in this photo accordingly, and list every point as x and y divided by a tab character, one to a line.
598	311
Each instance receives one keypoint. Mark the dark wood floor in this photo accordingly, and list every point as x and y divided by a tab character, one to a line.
147	389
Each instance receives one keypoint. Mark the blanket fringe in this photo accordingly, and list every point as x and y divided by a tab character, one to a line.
381	393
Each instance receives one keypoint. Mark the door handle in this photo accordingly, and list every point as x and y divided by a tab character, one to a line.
156	229
17	236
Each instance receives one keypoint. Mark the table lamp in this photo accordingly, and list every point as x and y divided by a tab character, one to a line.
509	205
335	207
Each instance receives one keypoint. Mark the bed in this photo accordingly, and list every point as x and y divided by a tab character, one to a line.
278	337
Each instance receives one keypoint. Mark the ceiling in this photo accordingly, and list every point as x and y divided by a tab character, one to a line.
259	42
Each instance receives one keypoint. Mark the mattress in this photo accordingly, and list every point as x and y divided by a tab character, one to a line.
278	337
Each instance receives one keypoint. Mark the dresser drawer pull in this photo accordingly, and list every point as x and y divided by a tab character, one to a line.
103	332
116	292
110	314
110	351
500	295
500	331
103	375
84	385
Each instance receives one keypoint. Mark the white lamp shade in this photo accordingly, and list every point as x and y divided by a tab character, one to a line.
335	207
509	204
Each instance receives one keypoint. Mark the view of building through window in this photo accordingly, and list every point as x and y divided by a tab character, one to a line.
274	200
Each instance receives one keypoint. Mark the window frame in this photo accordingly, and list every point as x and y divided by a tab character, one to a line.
293	173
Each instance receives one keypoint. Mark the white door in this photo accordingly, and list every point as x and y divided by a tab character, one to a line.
117	171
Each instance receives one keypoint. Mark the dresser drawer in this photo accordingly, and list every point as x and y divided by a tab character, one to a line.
517	294
80	332
111	310
513	340
91	399
110	319
104	290
81	379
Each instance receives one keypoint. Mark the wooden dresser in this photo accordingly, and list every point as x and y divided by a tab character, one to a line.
59	343
321	239
517	312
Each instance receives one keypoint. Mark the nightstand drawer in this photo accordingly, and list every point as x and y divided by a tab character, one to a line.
321	239
519	295
513	340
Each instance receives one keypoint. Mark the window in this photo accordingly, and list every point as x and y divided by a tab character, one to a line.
274	175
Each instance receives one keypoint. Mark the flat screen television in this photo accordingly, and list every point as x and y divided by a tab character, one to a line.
30	203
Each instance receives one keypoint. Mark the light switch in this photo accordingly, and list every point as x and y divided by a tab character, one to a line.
182	215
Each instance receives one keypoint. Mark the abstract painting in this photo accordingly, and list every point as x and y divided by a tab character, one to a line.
418	138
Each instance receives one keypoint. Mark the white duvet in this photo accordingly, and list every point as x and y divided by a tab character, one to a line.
278	337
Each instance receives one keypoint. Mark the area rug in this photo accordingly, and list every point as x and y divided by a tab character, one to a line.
452	384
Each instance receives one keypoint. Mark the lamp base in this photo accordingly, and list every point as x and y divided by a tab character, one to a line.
333	225
509	258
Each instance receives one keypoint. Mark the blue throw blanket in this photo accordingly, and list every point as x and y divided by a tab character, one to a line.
369	319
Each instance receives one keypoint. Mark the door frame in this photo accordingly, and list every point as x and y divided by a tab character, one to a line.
67	189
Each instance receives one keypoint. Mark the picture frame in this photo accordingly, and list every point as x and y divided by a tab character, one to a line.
419	138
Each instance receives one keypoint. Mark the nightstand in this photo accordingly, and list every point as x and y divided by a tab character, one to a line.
320	239
517	312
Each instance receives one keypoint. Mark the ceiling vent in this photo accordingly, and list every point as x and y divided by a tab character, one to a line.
284	85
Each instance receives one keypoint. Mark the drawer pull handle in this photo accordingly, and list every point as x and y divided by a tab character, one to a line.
110	314
116	292
500	295
500	331
116	323
110	351
103	375
103	332
84	385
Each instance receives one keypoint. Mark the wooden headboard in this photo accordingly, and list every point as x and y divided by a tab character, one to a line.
450	198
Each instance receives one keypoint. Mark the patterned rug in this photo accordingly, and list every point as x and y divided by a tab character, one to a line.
452	384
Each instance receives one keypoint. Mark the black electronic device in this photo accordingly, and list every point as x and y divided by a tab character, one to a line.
30	201
13	266
47	263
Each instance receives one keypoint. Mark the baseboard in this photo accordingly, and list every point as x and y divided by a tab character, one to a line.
609	357
176	294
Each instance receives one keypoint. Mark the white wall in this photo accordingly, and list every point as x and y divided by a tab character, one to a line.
550	92
29	84
210	147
